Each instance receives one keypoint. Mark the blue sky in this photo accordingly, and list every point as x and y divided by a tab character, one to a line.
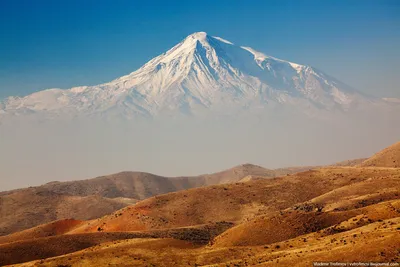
47	43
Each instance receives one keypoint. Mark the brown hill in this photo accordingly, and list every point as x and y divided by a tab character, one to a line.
370	242
141	185
50	229
389	157
265	230
27	208
92	198
374	242
16	251
231	202
376	198
293	170
328	214
350	163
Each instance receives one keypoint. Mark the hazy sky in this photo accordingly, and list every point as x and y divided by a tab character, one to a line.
33	153
47	43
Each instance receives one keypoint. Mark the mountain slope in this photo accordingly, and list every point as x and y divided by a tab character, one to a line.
23	209
374	242
201	73
350	163
141	185
93	198
389	157
236	202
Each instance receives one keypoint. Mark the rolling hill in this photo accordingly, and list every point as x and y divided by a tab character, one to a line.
334	213
293	219
92	198
389	157
27	208
239	202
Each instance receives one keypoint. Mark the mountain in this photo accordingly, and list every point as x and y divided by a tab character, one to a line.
389	157
201	73
93	198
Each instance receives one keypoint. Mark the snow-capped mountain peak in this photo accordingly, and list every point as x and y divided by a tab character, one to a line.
201	73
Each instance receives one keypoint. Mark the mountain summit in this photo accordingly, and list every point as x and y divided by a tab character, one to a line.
201	73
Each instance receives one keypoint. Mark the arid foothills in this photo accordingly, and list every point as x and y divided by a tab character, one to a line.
245	216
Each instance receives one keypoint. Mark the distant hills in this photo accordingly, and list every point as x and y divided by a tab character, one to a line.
328	212
92	198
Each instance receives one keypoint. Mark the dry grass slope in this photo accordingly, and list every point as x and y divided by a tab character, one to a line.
375	242
21	210
350	163
389	157
45	230
293	220
45	247
93	198
236	202
333	213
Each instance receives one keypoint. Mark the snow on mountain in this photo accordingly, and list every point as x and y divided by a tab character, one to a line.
201	73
